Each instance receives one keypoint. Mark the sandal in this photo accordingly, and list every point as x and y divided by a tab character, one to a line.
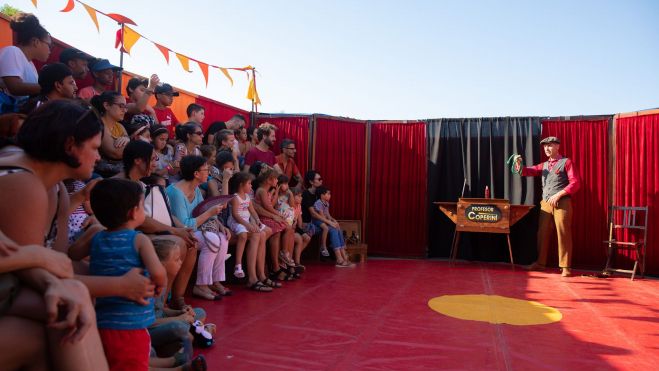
203	294
299	268
277	275
259	286
271	283
220	289
177	303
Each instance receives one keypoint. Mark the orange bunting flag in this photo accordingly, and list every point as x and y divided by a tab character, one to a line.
69	6
226	73
252	94
164	50
204	70
92	14
185	61
130	38
35	3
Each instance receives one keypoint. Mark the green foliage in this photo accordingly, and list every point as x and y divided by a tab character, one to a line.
9	10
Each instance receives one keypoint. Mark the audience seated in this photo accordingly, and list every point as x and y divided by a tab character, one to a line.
164	98
103	73
188	139
218	182
56	81
165	152
245	223
77	61
111	106
286	163
139	91
213	237
18	75
209	136
262	152
196	113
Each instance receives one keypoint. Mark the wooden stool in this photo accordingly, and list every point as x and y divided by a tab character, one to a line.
357	249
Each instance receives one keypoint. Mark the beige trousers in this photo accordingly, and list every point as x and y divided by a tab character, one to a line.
557	218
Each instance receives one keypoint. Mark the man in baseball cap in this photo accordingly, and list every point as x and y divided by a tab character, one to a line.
77	61
560	181
103	73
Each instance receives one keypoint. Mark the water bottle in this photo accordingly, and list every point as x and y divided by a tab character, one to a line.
487	192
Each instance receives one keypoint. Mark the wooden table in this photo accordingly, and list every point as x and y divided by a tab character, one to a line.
484	215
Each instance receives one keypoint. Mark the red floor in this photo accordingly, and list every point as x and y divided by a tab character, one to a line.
376	317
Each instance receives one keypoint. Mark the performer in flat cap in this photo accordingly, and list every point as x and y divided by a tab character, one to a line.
559	182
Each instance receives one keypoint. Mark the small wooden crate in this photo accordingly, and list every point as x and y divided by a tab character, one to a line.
354	249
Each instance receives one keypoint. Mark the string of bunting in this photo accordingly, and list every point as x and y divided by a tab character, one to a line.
127	37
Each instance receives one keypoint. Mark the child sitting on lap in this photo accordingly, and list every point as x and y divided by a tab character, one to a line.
334	232
119	206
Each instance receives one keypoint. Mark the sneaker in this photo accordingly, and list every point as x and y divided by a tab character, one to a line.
238	272
324	252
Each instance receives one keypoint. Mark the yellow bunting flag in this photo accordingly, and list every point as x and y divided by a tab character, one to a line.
92	14
226	73
204	70
130	38
164	50
35	3
185	61
252	94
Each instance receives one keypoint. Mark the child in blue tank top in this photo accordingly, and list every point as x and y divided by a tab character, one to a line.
119	206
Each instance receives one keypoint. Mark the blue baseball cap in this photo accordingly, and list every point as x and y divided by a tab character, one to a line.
104	64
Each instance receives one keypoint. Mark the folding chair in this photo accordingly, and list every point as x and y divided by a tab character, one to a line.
627	231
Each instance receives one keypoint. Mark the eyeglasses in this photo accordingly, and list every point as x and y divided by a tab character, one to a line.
292	149
120	105
50	44
198	133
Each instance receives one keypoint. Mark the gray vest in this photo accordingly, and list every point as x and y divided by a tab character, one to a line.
555	180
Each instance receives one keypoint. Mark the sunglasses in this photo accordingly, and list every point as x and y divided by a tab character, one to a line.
198	133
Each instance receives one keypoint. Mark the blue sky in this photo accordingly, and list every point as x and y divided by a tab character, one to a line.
393	59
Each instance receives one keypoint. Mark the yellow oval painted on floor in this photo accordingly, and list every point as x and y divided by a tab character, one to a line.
495	309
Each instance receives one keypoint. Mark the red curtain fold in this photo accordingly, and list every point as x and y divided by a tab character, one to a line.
216	111
637	174
340	157
295	128
586	144
397	190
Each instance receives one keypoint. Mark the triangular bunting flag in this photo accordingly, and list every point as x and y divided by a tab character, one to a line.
252	94
130	38
226	73
69	6
185	61
35	3
164	50
204	70
92	14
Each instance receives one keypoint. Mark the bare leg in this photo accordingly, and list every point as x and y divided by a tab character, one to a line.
26	339
252	256
275	246
86	354
240	247
183	277
260	259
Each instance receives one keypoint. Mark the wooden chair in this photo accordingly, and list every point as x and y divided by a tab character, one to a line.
627	231
351	228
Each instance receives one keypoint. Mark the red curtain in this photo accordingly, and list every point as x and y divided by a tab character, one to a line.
340	158
637	174
295	128
586	144
397	190
216	111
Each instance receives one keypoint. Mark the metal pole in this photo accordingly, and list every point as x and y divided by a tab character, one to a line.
121	57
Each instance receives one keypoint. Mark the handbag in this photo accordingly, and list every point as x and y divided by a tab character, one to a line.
213	223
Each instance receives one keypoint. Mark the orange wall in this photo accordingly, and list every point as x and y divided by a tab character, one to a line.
6	34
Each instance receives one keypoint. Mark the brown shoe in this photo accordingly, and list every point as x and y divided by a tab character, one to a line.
566	272
535	267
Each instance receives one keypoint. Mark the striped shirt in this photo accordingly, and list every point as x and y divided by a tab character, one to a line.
113	254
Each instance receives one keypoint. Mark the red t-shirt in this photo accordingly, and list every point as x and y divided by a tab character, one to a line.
255	154
167	118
